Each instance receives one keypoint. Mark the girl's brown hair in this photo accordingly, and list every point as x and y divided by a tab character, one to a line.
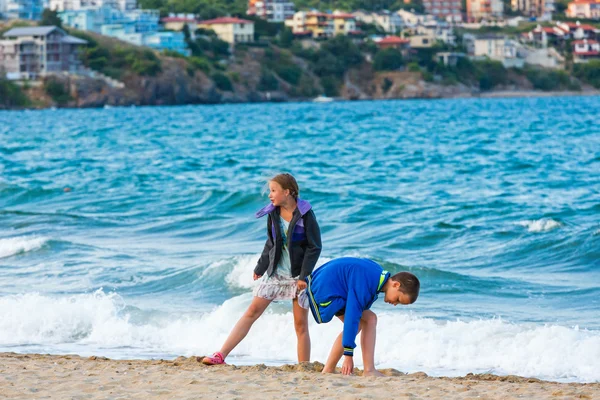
287	182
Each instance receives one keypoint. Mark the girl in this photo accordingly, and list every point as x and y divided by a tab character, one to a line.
289	256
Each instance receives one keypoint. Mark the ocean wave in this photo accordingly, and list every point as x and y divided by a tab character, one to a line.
102	324
17	245
540	225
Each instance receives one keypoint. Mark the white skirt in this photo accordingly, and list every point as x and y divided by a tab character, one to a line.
276	288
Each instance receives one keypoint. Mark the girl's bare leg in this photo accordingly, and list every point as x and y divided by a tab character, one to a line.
241	329
301	325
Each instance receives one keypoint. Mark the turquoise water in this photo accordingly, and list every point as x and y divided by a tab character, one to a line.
129	232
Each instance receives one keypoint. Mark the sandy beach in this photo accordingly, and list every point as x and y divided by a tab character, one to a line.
27	376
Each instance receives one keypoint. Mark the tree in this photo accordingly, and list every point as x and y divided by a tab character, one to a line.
388	60
50	17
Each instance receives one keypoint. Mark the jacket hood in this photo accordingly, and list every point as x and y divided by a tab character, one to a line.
303	206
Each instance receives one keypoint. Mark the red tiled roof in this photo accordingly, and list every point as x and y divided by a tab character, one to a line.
177	19
587	53
393	40
585	1
225	20
588	41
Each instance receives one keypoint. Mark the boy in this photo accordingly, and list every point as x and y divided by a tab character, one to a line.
347	288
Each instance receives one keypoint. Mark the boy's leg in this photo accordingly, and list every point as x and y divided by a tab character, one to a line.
336	353
241	329
368	323
301	325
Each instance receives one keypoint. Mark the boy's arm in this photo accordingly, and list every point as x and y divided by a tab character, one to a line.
263	261
354	310
313	236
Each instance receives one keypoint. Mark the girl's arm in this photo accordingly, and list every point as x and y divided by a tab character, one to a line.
313	236
263	262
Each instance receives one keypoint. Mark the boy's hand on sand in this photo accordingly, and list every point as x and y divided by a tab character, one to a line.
255	277
301	285
348	365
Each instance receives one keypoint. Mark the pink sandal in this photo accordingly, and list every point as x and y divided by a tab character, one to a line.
215	359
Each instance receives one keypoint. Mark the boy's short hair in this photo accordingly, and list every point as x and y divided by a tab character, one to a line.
410	284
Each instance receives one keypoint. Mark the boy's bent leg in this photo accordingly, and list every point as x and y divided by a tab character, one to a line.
336	353
241	329
301	326
368	323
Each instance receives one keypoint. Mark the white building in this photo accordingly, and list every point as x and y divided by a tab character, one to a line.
411	19
586	49
62	5
272	10
31	52
388	21
494	47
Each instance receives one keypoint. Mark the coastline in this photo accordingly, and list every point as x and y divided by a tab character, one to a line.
72	376
497	94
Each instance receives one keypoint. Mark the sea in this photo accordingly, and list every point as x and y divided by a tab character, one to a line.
130	232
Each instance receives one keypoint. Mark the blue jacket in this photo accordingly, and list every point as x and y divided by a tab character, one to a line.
345	286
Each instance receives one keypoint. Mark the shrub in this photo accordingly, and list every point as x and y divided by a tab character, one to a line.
57	91
589	72
386	85
267	81
11	95
222	81
200	63
330	85
387	60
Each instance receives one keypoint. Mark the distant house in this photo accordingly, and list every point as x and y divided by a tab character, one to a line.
541	9
21	9
542	35
177	22
394	42
445	10
586	49
388	21
589	9
494	47
411	19
578	31
28	53
343	23
272	10
318	23
231	30
449	58
478	10
64	5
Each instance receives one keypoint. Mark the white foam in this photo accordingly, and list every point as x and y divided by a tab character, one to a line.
99	323
540	225
11	246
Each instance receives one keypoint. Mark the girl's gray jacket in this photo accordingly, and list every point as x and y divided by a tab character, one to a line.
304	241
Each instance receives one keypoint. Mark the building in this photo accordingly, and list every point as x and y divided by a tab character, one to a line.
542	35
389	22
589	9
478	10
577	30
271	10
446	10
317	23
540	9
448	58
161	41
494	47
343	23
232	30
63	5
94	20
177	22
28	53
411	19
586	49
395	42
21	9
